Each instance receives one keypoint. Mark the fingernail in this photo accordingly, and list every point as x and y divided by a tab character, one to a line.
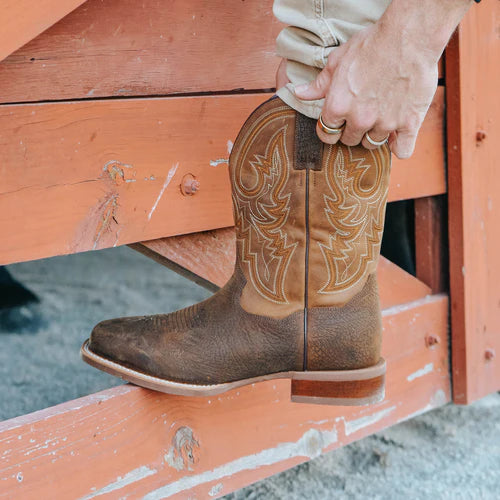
301	88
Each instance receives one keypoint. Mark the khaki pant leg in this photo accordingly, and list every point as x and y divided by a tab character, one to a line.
315	28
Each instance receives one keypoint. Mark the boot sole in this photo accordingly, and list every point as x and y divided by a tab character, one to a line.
342	387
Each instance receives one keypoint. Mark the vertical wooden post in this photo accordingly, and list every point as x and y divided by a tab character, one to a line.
473	112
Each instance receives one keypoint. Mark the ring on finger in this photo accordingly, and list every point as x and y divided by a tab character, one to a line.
375	143
330	130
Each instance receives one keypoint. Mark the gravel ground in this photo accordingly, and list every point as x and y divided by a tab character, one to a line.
450	453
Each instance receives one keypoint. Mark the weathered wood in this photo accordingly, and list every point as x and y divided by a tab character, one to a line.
85	175
129	441
431	244
129	48
207	258
23	20
473	109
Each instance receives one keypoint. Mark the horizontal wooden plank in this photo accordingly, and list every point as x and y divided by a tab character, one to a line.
207	258
130	48
86	175
144	444
23	20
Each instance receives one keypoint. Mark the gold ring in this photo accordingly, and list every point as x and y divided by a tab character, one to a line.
375	143
330	130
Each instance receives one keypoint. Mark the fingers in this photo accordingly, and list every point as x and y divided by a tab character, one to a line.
316	89
377	133
403	143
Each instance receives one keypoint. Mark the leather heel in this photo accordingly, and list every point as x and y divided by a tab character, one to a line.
343	387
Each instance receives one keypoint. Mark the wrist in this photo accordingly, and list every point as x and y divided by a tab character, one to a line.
424	25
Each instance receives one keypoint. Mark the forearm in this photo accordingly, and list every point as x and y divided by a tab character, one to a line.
426	24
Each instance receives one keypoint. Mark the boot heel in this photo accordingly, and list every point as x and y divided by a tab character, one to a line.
343	387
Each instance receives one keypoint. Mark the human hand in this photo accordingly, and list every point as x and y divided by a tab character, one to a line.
376	83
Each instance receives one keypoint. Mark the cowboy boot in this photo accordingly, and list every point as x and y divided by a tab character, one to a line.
302	302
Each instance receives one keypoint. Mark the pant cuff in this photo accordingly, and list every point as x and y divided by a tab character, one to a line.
308	108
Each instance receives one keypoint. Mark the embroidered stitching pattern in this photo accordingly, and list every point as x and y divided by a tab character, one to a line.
262	210
355	209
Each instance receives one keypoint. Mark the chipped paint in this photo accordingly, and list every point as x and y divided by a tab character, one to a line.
428	368
109	208
353	426
439	398
429	299
170	175
229	147
116	171
129	478
216	489
69	406
219	161
310	445
181	454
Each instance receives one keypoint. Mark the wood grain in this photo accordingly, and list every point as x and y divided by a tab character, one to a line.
128	48
473	109
145	444
23	20
86	175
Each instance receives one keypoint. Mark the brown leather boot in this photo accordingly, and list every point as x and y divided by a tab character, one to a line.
302	302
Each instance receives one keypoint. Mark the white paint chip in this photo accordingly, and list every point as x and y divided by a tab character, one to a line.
428	368
310	445
170	175
129	478
360	423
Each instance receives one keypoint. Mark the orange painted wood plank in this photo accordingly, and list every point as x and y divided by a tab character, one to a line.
86	175
472	76
130	48
23	20
145	444
208	259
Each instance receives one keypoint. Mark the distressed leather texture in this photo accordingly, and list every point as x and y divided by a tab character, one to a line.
303	296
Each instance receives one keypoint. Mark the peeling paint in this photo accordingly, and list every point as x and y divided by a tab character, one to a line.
360	423
428	368
310	445
129	478
229	147
438	399
216	489
170	175
182	452
116	171
219	161
109	208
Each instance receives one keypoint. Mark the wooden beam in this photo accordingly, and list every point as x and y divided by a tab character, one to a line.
86	175
473	109
23	20
128	48
145	444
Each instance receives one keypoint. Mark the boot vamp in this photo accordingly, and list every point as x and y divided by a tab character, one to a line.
212	342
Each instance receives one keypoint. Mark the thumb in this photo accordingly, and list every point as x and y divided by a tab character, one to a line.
315	89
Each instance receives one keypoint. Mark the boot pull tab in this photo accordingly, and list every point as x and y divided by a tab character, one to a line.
308	146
